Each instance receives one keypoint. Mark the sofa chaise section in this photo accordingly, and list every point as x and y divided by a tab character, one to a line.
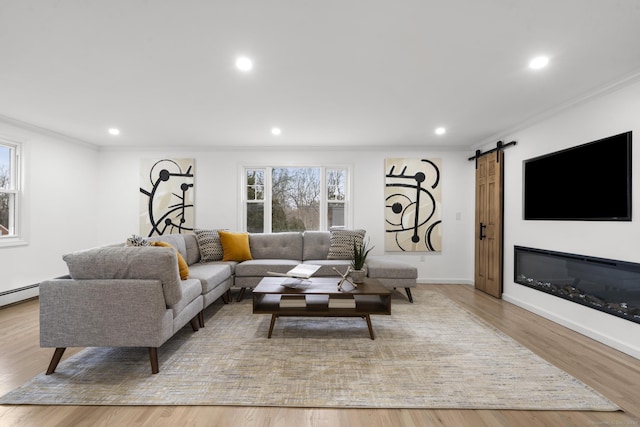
392	274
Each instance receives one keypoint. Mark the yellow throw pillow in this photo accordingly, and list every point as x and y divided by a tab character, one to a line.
235	246
183	267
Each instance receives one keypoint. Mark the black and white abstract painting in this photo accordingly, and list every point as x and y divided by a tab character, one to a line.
166	196
413	205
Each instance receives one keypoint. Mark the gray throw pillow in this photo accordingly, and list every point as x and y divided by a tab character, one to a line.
341	242
209	244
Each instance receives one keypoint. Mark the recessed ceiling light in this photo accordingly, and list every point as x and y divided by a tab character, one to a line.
276	131
244	64
538	62
440	131
114	131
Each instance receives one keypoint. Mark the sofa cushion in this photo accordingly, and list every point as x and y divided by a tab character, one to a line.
209	245
191	289
381	267
285	245
210	274
183	268
175	240
342	241
193	250
315	245
128	263
260	267
235	246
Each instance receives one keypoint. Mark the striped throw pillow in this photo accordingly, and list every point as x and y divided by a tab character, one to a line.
341	242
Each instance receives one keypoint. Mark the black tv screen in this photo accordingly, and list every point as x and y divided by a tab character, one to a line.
590	182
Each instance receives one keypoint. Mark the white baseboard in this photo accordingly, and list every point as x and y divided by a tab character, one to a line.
631	351
18	295
422	281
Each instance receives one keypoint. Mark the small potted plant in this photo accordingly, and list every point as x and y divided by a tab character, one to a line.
360	252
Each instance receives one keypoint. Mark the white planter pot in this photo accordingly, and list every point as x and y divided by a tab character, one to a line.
358	275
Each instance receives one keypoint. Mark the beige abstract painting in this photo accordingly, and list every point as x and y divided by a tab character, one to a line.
166	196
413	205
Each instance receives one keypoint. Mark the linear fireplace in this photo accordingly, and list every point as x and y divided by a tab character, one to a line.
607	285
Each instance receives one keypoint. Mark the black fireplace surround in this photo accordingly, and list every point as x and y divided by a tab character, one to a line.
603	284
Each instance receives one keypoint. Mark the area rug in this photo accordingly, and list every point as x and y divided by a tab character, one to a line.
430	354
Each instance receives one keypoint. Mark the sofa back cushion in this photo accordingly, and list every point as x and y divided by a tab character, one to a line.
175	240
126	262
183	268
193	250
316	245
285	245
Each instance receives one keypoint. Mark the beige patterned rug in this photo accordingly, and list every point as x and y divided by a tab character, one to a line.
431	354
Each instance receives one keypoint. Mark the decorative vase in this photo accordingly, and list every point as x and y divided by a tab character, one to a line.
358	275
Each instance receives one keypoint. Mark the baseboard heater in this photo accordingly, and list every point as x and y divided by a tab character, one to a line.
19	294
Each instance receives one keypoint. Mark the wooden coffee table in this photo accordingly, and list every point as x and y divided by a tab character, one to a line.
320	297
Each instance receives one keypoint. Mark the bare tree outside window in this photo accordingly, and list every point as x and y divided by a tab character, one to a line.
295	203
282	199
255	200
336	197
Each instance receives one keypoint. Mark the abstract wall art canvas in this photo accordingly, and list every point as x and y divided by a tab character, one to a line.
413	205
166	196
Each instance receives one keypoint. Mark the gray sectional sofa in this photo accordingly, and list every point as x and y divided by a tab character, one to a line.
121	296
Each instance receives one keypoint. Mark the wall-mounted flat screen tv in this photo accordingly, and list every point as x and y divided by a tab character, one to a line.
589	182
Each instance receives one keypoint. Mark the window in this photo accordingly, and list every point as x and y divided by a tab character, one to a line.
294	198
9	190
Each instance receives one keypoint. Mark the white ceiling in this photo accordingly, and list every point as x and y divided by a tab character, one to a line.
367	73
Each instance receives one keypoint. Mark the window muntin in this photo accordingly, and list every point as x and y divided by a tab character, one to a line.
294	198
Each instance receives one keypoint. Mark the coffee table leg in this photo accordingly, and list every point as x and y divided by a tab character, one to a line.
273	322
368	318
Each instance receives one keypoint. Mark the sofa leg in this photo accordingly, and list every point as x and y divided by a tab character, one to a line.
201	319
153	358
226	297
241	294
408	291
57	355
194	323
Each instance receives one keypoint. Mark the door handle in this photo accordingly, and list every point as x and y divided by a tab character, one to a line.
482	227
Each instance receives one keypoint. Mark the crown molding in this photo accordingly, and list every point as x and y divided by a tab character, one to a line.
29	127
289	148
594	94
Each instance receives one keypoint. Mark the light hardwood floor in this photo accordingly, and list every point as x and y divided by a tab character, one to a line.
612	373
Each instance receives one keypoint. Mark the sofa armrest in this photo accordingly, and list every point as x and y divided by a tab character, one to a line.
103	313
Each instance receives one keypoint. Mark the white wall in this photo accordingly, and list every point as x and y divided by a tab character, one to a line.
77	197
58	208
217	196
611	114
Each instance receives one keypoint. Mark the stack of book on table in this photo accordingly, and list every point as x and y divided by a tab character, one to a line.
293	301
342	303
